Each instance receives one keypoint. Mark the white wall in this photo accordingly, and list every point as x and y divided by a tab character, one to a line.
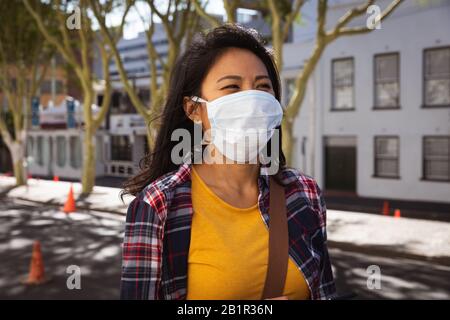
408	31
51	167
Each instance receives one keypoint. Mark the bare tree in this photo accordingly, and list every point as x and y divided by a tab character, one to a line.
76	45
178	21
24	58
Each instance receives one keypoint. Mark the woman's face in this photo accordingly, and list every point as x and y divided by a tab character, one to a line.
234	70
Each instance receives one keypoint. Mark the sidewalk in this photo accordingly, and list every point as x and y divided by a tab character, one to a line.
55	194
403	237
346	201
355	231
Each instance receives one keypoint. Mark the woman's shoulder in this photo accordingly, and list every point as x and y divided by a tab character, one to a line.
157	192
305	187
295	178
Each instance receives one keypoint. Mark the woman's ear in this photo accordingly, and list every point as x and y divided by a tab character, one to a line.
192	109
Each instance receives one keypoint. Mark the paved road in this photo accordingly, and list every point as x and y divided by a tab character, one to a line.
400	278
91	240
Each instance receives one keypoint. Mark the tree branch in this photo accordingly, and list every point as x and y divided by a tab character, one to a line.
140	107
5	133
51	39
213	21
359	30
98	119
290	18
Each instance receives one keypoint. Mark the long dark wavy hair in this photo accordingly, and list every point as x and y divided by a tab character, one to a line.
185	80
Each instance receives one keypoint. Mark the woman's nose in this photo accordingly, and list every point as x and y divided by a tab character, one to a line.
248	85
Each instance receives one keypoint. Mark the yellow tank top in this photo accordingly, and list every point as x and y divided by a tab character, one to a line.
229	250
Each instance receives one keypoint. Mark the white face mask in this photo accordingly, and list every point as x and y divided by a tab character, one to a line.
242	123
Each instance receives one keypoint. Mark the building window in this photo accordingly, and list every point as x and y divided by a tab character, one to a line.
40	150
46	87
61	155
144	95
30	147
59	87
387	157
126	106
387	81
120	148
437	77
75	152
115	102
436	154
99	148
342	83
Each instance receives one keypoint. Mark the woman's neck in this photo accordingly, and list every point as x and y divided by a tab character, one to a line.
229	176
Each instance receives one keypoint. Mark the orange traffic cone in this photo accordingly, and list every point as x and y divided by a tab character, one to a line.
37	274
55	178
397	213
69	206
385	211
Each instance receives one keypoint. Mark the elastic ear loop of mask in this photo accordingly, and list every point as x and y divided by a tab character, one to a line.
197	100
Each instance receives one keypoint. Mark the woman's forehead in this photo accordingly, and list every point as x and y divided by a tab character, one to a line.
237	61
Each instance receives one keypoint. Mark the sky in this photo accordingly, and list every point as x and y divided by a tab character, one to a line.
141	10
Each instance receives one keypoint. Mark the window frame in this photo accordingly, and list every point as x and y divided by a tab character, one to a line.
375	106
376	174
424	178
59	154
39	156
119	150
424	51
73	159
333	102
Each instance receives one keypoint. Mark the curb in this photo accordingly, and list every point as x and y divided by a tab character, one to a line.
387	251
80	207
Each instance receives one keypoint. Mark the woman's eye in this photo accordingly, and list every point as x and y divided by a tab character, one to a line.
265	86
231	86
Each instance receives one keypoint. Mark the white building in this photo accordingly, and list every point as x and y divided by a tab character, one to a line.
376	117
56	149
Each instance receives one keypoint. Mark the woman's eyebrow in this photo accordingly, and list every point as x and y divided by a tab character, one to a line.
230	77
236	77
261	77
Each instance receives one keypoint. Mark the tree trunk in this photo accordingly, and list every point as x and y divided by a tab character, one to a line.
17	155
19	173
151	137
88	177
287	139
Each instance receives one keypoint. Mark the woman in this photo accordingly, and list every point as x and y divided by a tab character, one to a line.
199	231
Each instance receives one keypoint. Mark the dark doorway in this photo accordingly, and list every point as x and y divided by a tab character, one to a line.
340	168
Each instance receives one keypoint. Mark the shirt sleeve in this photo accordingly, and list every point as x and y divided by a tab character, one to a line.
141	253
326	288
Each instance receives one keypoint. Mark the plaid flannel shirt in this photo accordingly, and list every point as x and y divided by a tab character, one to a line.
158	229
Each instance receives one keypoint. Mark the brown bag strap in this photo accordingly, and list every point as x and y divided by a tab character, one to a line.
278	243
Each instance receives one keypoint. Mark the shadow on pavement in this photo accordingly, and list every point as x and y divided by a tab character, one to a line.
85	240
401	278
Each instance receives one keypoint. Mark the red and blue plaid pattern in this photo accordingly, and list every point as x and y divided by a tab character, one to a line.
158	229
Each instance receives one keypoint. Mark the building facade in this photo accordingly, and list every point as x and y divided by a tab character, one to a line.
52	91
376	118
